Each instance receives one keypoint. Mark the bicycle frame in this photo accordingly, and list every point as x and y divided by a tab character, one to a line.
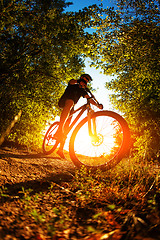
91	122
107	141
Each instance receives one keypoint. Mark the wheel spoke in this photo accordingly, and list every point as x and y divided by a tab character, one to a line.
49	143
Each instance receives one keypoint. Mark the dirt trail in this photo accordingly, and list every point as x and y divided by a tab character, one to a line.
31	170
19	168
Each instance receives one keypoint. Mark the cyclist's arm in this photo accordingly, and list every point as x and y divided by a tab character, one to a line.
73	81
92	101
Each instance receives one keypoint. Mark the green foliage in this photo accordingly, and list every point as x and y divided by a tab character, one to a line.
39	54
3	191
130	179
38	217
130	52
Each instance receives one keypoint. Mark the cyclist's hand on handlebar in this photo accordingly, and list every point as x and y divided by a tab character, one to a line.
100	106
78	81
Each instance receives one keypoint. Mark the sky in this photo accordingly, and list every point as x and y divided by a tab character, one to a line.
99	80
79	4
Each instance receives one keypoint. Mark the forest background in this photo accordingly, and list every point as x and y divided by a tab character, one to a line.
43	46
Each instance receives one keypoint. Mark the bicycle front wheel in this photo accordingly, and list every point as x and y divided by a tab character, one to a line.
104	150
49	143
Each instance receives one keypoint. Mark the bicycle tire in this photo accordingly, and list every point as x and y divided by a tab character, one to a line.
118	135
49	143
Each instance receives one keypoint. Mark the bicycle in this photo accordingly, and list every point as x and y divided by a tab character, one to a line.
99	141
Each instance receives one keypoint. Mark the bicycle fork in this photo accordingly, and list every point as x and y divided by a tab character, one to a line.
96	138
92	130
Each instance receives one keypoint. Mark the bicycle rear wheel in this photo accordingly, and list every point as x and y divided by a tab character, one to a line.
49	143
104	150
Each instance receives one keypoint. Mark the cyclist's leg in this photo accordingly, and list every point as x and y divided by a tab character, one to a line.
68	121
68	105
64	124
65	113
60	150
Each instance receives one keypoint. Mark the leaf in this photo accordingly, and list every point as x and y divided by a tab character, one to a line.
40	237
111	219
97	215
113	235
111	206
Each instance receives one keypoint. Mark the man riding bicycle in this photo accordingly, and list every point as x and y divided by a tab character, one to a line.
73	92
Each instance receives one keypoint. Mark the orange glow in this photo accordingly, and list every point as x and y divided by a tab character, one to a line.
101	148
101	144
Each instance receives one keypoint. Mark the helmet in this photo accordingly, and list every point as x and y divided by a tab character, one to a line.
86	77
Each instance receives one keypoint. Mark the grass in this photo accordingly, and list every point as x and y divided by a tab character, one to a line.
92	203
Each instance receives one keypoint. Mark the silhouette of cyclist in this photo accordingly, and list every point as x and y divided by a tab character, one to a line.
73	92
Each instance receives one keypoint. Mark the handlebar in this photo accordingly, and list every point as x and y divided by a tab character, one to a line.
92	96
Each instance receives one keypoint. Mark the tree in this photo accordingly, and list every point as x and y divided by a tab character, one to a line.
129	49
39	54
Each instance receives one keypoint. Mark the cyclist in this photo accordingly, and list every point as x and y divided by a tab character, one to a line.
73	92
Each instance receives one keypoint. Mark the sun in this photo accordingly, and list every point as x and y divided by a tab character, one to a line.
102	146
98	145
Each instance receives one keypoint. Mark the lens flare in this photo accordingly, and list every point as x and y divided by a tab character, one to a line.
102	146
